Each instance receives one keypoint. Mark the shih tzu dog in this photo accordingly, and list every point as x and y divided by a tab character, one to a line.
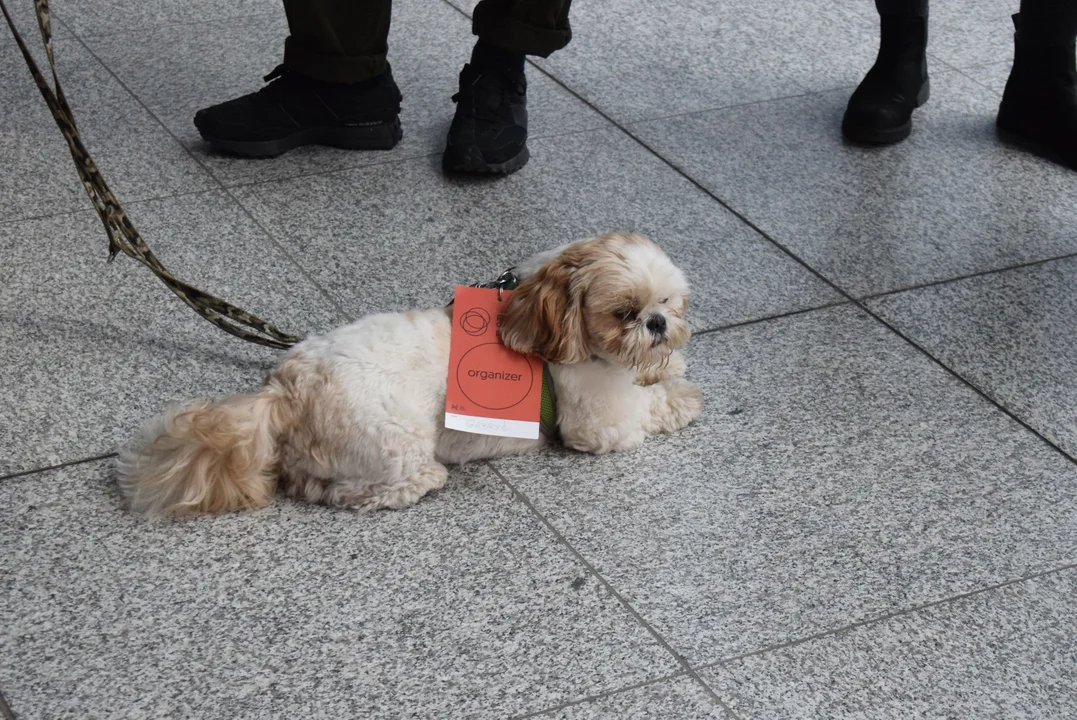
355	417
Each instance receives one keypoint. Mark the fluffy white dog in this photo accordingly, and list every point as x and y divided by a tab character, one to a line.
356	417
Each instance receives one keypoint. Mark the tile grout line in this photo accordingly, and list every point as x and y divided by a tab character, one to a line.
973	80
961	70
977	66
945	64
5	709
58	466
970	276
967	382
792	255
888	616
687	668
768	318
977	82
220	185
599	696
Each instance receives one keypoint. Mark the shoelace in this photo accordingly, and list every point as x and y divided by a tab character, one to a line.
271	79
490	96
274	73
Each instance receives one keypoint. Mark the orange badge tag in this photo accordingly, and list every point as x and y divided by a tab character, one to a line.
492	390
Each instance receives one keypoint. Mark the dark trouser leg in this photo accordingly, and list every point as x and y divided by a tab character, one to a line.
523	27
1048	22
1039	106
880	111
340	41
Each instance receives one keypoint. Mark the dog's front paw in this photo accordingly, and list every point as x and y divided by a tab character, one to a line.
606	440
683	403
674	367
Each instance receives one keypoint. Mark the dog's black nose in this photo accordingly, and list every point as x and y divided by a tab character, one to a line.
657	324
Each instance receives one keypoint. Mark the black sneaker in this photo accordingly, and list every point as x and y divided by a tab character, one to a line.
489	132
293	110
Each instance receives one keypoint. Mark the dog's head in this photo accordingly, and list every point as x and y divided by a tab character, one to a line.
617	297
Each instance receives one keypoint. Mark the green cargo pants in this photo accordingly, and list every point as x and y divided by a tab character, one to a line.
346	40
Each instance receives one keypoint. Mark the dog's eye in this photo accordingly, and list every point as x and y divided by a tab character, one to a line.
625	314
663	301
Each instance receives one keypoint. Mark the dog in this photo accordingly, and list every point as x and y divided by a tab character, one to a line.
355	417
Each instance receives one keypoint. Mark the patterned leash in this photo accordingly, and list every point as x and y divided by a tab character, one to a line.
122	235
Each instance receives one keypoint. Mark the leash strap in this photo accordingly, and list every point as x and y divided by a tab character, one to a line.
122	235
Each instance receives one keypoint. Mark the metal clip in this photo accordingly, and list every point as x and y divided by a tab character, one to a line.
504	280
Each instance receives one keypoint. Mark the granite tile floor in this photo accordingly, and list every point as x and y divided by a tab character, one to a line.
875	518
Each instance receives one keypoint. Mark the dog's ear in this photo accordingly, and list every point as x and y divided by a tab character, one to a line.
544	316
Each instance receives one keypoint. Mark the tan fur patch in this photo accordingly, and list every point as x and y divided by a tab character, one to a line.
207	457
544	316
320	429
588	298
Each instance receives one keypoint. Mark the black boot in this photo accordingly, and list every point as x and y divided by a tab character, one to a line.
1039	106
880	110
489	132
294	110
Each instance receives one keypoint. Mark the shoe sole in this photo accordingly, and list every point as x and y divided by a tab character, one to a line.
373	136
469	161
888	136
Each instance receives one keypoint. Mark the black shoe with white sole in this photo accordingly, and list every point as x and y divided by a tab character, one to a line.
293	110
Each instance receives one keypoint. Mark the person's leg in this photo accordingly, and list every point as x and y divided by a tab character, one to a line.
880	110
1039	106
334	88
337	41
489	132
523	27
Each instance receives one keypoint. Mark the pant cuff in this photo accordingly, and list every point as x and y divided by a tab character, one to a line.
518	37
331	68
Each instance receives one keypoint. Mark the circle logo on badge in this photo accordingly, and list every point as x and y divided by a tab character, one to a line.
475	321
494	377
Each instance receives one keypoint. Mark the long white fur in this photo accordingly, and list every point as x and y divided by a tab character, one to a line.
355	417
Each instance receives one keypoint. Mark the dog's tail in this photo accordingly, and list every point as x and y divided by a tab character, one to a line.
207	457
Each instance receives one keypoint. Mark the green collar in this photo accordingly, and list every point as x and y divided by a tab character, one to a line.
548	413
548	408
